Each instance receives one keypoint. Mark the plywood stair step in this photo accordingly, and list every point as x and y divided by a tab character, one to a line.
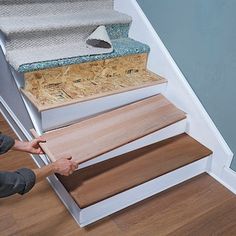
100	134
106	179
52	88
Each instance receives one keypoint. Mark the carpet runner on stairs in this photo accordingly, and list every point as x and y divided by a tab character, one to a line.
56	33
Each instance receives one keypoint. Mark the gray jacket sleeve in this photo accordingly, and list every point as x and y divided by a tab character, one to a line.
6	143
20	181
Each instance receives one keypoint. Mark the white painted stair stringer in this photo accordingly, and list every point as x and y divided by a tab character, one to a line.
179	92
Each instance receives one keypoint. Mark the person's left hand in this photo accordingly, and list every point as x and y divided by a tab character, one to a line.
32	147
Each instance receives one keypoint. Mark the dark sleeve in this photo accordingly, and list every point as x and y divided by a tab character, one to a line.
6	143
20	181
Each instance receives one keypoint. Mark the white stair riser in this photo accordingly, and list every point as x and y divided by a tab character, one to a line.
168	132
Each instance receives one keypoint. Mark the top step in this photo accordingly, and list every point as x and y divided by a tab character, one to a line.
102	133
46	7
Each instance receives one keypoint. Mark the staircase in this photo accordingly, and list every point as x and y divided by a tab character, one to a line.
104	108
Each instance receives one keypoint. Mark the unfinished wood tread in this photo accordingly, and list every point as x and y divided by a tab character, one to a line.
108	178
100	134
62	86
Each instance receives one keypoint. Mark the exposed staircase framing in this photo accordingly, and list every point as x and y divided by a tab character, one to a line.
127	116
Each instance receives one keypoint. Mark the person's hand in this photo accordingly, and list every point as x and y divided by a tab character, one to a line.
65	166
32	147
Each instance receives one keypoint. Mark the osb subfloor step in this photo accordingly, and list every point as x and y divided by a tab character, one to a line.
102	133
108	178
66	85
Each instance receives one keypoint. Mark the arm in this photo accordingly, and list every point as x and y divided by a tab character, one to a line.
32	147
23	180
20	181
7	143
64	166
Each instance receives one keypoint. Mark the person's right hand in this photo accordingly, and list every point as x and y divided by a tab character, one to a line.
65	166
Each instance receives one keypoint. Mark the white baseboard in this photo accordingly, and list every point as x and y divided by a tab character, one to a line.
227	178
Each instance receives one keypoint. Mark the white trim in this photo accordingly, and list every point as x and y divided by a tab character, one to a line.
120	201
2	42
179	92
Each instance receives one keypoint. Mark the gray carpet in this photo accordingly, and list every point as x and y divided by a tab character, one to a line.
50	7
50	30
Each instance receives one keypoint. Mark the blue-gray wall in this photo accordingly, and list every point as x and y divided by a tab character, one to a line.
201	37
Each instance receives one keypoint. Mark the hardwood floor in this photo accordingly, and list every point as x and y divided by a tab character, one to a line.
199	207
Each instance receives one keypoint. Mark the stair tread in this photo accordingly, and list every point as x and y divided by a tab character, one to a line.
22	25
44	7
47	96
31	59
95	136
106	179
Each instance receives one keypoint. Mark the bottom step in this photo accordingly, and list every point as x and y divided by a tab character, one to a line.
106	179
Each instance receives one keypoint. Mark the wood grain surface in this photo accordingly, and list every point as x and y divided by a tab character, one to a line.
108	178
62	86
100	134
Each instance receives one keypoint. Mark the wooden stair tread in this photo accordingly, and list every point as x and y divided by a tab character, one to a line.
103	180
62	86
102	133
